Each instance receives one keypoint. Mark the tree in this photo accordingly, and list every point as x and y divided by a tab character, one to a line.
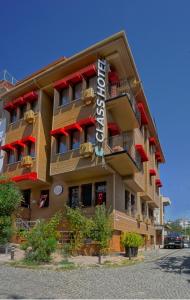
102	228
10	199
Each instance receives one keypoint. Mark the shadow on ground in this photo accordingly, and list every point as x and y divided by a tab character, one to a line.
178	264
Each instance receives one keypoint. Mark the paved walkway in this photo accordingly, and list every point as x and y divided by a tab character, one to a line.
168	277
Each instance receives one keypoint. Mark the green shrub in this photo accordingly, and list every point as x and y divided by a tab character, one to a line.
79	225
5	229
41	240
10	197
131	239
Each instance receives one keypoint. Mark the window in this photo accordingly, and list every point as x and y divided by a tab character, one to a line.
86	194
74	196
26	198
75	139
13	116
23	109
92	82
31	149
133	205
77	90
61	144
44	198
100	193
143	209
150	179
10	157
34	105
19	153
127	201
64	97
90	134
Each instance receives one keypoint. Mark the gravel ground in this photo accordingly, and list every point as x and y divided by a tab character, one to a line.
168	277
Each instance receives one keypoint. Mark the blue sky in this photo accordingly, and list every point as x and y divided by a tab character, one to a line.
35	33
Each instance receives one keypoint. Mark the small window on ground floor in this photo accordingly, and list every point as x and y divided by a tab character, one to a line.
86	194
26	198
100	193
44	198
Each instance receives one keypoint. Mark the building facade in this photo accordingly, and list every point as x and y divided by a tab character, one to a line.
80	132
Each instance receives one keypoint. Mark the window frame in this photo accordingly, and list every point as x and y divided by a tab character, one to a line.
72	137
74	91
61	96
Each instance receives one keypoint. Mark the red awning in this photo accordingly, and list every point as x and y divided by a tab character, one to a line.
144	117
19	101
9	107
31	96
78	125
28	139
152	172
59	131
158	183
60	84
142	152
28	176
114	129
158	156
18	143
75	77
88	71
113	77
152	140
7	147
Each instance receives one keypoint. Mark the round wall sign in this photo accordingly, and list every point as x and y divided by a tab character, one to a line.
58	189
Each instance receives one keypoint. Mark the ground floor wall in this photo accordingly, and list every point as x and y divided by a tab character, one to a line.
115	199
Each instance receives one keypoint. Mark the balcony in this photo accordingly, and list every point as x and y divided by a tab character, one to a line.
123	156
122	105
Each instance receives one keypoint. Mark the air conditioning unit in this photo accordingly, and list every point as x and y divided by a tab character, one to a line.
29	116
86	149
139	218
88	96
26	161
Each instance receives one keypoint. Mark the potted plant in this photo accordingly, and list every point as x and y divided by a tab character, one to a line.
131	242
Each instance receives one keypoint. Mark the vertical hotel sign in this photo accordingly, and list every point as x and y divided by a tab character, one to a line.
100	106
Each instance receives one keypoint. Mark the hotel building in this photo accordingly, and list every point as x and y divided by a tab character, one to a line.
80	132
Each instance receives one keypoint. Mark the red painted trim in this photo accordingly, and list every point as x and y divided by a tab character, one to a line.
142	152
152	141
28	176
144	117
152	172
